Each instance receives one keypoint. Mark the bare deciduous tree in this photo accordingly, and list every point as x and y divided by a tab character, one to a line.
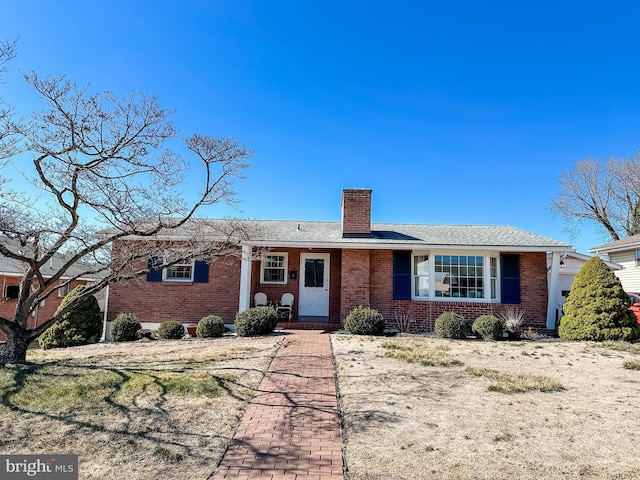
607	193
103	172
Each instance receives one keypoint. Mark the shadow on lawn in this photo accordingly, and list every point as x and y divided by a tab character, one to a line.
134	401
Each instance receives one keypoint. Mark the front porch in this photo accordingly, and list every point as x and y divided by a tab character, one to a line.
310	323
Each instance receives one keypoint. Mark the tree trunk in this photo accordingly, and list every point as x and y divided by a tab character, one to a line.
14	350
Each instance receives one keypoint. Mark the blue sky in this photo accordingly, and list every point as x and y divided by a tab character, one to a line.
458	112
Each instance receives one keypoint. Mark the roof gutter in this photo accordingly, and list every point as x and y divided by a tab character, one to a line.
411	246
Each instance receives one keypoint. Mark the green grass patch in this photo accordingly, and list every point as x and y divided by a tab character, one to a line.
415	352
503	437
66	387
516	383
167	455
631	364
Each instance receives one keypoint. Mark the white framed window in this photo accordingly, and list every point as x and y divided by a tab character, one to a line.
421	276
493	277
63	290
637	258
180	272
273	268
451	275
459	276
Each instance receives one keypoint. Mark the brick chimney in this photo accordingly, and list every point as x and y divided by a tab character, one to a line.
356	211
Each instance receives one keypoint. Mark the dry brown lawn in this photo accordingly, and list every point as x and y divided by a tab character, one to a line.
143	410
429	408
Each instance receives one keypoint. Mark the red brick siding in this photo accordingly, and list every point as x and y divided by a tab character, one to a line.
533	293
356	211
183	301
356	275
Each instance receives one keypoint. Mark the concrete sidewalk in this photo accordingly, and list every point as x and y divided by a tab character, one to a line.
291	428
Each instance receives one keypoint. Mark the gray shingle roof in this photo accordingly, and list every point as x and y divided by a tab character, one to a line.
11	267
387	234
622	244
291	233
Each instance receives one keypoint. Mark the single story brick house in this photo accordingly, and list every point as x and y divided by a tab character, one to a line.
332	267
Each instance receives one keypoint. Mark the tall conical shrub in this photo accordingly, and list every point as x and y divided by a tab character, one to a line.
80	325
597	306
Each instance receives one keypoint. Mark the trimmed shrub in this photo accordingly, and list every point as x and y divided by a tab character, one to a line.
171	329
81	325
488	327
597	306
256	321
145	333
451	325
210	326
364	321
124	328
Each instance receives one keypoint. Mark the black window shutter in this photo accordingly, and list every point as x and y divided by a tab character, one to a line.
201	272
401	275
510	281
157	275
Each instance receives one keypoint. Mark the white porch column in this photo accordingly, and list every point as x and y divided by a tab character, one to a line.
554	283
245	279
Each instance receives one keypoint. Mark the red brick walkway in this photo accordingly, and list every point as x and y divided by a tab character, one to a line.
290	430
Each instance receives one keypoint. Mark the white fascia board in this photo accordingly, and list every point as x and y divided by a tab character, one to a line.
410	246
617	248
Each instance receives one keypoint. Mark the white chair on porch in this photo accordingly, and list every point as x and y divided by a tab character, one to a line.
260	299
285	306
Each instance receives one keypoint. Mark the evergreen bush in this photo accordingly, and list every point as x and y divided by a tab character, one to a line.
488	327
210	326
256	321
451	325
124	328
364	321
597	306
171	329
81	325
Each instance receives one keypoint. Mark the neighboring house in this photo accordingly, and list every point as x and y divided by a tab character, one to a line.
10	275
626	253
332	267
570	264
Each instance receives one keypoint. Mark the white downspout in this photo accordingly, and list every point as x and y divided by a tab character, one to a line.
554	283
104	319
245	279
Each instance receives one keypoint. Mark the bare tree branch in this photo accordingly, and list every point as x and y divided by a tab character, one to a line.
607	193
101	165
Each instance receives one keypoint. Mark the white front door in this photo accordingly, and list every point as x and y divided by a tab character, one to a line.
314	285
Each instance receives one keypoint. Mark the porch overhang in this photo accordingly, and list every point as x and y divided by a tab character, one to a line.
407	246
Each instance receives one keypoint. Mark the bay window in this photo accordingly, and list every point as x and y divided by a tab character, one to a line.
459	276
445	275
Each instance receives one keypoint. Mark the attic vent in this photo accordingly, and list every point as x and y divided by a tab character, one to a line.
11	291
